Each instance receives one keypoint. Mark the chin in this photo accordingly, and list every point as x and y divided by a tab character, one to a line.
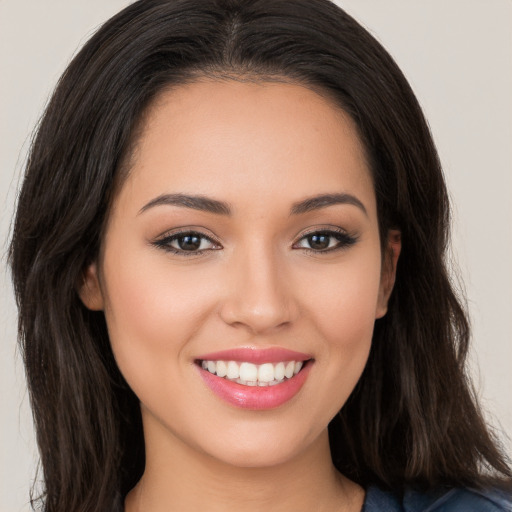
256	458
262	449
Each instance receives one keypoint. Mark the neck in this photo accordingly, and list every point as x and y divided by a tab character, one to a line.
179	477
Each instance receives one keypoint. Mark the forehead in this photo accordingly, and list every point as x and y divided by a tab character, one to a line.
237	140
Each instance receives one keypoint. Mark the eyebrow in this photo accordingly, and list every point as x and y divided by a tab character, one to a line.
325	200
207	204
202	203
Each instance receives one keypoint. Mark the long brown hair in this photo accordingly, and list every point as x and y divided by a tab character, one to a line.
412	418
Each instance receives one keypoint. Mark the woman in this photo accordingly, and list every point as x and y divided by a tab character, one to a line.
228	259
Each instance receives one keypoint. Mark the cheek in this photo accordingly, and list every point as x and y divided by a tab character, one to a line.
152	310
345	305
344	310
351	309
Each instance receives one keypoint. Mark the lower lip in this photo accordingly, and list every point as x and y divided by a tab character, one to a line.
256	397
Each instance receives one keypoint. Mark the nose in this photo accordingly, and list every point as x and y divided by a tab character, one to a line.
258	295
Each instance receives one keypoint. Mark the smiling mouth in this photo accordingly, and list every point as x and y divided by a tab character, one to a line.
250	374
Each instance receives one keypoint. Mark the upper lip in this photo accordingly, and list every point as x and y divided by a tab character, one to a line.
255	355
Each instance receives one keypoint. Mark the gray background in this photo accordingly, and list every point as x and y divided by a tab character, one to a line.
457	55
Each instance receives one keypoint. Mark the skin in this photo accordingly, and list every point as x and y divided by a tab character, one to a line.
260	147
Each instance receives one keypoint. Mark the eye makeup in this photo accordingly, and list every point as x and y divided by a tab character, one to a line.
186	242
326	241
189	242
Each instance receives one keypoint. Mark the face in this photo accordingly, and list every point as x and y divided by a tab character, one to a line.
245	233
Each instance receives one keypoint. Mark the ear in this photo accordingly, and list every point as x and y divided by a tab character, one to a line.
89	289
388	273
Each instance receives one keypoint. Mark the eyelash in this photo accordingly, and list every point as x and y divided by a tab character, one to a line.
344	241
165	243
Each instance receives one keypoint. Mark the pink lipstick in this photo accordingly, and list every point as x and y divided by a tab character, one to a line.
255	378
256	355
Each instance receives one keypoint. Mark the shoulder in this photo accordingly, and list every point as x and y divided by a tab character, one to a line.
439	500
457	500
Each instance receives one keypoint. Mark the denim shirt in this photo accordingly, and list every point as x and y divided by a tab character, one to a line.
443	500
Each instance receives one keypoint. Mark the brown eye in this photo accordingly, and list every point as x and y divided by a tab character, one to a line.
325	241
319	242
186	243
189	242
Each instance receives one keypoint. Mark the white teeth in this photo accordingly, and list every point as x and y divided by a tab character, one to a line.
279	371
248	371
288	371
266	372
233	370
249	374
222	369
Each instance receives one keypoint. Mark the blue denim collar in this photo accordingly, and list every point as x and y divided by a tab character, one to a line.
442	499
